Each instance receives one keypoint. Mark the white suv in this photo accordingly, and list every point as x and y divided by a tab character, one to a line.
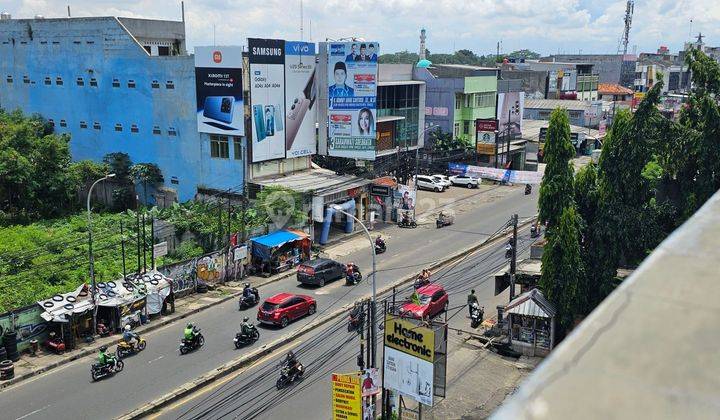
465	180
429	183
443	180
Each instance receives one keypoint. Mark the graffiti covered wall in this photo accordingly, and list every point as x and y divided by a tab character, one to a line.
28	324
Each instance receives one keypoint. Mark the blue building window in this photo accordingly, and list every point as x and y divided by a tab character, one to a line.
93	82
237	148
174	180
26	80
48	81
80	81
156	130
9	78
219	147
118	127
83	124
131	84
155	84
96	125
172	131
51	122
134	128
169	84
63	123
59	81
116	83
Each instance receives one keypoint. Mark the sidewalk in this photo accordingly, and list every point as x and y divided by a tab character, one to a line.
459	199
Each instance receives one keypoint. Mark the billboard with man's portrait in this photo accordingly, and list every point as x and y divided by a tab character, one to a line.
352	91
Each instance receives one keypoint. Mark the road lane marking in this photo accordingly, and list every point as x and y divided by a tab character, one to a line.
225	380
32	413
155	359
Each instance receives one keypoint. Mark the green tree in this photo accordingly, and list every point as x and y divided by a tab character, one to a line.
147	174
35	181
120	164
279	205
562	276
527	54
556	189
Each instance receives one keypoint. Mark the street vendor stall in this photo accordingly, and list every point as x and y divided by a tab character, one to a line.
531	320
155	285
69	317
121	303
279	251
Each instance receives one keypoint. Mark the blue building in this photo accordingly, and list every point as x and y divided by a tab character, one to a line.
119	85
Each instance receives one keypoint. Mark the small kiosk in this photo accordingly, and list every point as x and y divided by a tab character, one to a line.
279	251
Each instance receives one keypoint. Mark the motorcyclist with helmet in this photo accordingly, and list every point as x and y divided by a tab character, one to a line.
352	271
190	333
246	327
248	292
130	337
292	364
105	358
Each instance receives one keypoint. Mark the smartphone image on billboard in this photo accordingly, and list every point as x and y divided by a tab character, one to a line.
219	108
269	120
259	116
279	120
296	114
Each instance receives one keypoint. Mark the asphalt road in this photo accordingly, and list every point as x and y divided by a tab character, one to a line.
251	393
68	393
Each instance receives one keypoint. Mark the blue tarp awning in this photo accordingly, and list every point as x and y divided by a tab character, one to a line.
263	244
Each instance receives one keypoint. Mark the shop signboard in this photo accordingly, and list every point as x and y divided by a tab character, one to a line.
408	359
346	396
406	197
267	97
352	91
370	382
160	249
380	190
219	92
300	99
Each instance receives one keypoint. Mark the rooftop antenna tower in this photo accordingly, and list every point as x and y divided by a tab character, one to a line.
625	38
422	44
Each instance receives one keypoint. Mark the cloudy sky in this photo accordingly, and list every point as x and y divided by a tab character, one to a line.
546	26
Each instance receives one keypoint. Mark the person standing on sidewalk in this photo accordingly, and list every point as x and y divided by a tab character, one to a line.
470	300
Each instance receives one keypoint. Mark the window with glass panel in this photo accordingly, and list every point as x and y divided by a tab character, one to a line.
219	147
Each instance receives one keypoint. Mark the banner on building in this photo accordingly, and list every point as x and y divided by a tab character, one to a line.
267	97
370	382
300	98
510	109
496	174
218	89
346	396
352	91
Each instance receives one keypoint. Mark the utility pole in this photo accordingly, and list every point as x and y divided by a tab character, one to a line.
152	242
137	234
144	245
122	245
513	256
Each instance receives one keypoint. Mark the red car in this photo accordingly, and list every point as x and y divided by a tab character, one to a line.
433	300
285	307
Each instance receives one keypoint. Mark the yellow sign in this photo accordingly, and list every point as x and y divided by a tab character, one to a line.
346	397
486	149
406	336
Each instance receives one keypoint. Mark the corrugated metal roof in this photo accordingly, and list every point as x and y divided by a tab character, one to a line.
531	303
570	105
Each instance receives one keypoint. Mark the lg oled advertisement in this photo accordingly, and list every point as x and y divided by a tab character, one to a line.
300	98
218	84
352	91
267	94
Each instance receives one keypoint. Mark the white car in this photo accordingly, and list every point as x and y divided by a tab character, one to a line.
443	180
426	182
465	180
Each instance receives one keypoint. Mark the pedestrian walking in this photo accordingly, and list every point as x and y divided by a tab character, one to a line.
470	300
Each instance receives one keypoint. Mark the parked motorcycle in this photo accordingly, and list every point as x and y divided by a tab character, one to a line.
286	377
248	301
125	349
476	316
407	223
243	340
534	231
528	189
186	346
98	371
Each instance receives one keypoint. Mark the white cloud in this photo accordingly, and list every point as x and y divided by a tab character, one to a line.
547	26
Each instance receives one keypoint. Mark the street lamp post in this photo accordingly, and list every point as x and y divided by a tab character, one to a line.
374	290
417	160
92	261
